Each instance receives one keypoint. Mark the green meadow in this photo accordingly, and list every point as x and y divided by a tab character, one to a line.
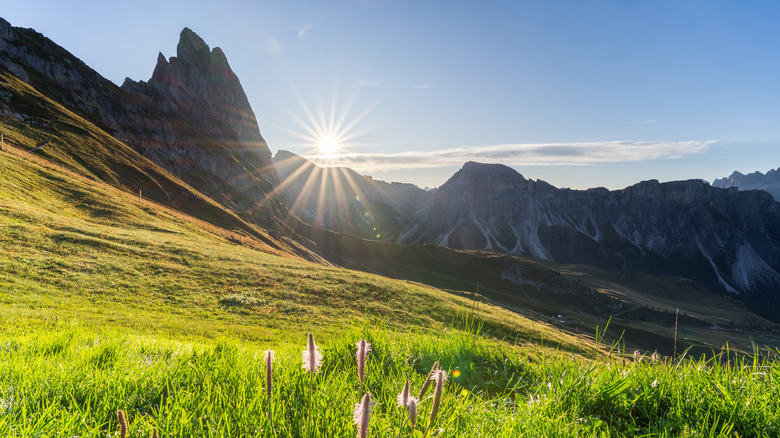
110	302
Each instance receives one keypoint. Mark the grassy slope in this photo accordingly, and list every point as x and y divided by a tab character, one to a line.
707	320
639	309
70	249
70	383
84	149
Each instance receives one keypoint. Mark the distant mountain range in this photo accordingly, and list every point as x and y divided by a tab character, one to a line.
726	239
769	182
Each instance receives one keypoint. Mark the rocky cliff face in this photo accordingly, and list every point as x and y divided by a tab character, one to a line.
723	238
726	239
192	117
753	181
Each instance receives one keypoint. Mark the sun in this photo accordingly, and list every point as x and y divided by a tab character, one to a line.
328	145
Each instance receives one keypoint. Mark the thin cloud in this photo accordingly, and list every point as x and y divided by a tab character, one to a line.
303	30
535	154
426	86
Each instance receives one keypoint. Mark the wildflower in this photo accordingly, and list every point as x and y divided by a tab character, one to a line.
121	421
654	357
312	358
403	397
412	405
428	380
363	347
637	356
440	377
362	414
654	384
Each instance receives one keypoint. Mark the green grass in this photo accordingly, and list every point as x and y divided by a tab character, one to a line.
71	381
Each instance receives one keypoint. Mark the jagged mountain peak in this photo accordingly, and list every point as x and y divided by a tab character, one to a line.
769	182
192	117
191	46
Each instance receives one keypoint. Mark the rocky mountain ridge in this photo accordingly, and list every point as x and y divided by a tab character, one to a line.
721	237
769	182
726	239
192	117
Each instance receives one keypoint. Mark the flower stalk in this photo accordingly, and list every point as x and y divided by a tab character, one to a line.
312	359
363	347
440	377
428	380
362	415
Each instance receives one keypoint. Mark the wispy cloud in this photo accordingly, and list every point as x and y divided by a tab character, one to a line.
303	30
535	154
426	86
365	83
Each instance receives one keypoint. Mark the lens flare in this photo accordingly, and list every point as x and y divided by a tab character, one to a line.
328	145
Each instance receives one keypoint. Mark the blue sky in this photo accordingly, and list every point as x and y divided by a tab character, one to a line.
577	93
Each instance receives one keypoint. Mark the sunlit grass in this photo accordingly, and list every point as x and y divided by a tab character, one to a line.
71	382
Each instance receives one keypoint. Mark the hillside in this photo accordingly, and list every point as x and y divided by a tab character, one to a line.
726	240
73	249
32	121
110	302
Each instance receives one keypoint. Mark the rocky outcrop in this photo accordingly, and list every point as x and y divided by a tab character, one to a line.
192	117
724	238
769	182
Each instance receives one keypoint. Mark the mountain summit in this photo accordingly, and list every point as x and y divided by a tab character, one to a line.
221	151
192	117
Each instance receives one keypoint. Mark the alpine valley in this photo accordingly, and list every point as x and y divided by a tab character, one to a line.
186	143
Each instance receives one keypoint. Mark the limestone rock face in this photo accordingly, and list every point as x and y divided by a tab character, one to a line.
726	239
221	143
192	117
769	182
